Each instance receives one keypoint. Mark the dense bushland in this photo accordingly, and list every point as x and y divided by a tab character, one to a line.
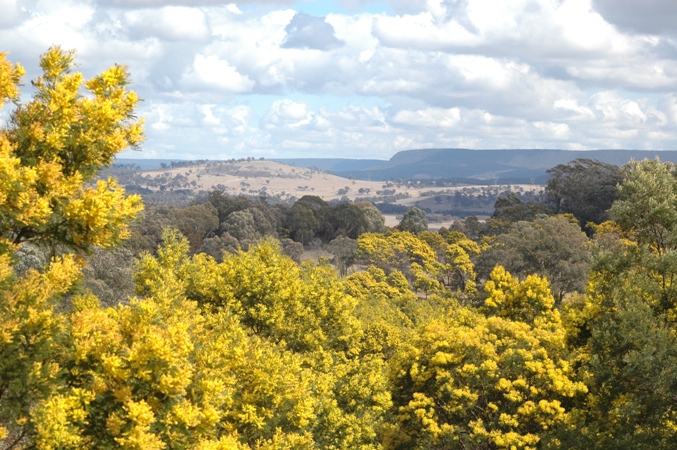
201	331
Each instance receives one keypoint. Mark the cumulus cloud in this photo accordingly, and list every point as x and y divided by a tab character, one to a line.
429	118
523	28
213	72
285	114
306	31
66	24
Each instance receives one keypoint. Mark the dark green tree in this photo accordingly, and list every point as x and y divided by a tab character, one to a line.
345	219
511	208
313	202
415	220
241	225
375	222
146	233
302	224
583	187
647	213
216	246
552	247
226	205
624	332
344	250
196	222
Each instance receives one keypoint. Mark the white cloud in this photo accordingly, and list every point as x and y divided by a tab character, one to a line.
64	23
286	114
212	72
232	7
173	23
553	130
226	122
429	118
422	31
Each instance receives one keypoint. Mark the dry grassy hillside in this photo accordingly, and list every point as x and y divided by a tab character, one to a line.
270	178
286	182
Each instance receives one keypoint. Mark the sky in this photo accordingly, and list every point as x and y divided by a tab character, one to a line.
366	79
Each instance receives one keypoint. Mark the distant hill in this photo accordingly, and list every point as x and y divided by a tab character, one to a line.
507	166
503	166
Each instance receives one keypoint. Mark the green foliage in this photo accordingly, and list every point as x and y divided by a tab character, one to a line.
302	223
414	221
647	206
585	188
196	222
242	226
624	329
374	220
344	250
552	247
109	275
218	245
225	205
511	208
346	219
631	360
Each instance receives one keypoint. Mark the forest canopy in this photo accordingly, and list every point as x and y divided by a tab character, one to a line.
200	327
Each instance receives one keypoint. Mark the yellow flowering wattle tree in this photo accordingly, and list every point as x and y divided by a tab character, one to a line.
469	381
52	149
326	390
497	378
50	152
